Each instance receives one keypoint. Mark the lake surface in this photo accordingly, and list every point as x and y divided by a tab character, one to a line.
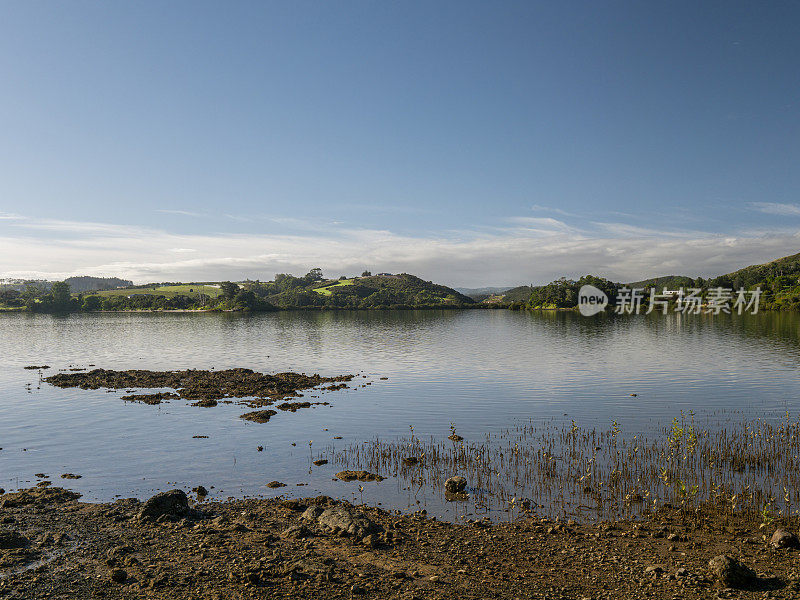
481	371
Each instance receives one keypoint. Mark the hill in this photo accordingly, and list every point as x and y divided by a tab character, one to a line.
671	282
481	293
85	283
285	291
779	281
518	294
371	291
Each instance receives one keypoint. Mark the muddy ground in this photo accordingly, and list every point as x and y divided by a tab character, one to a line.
54	546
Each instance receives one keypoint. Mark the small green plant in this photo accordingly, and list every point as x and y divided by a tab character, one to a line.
766	516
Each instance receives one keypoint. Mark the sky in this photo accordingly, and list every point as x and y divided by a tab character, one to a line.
470	143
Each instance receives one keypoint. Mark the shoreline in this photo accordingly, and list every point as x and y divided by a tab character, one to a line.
56	546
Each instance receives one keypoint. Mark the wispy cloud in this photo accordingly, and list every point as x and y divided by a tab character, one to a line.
776	208
184	213
558	211
531	249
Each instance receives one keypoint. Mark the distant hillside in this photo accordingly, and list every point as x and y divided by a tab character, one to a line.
481	293
788	267
520	293
94	284
372	291
671	282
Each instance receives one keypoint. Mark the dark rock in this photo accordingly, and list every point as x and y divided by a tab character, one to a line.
38	495
151	399
294	406
320	462
118	575
296	532
70	476
12	539
205	403
784	539
276	484
200	490
729	572
312	513
171	503
455	485
259	416
342	520
358	475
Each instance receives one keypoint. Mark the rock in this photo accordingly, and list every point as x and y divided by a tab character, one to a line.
455	485
118	575
200	490
276	484
70	476
320	462
784	539
341	520
654	570
358	475
10	539
295	505
729	572
312	513
205	403
171	503
296	532
259	416
118	551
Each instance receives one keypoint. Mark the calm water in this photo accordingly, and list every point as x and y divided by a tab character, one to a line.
480	370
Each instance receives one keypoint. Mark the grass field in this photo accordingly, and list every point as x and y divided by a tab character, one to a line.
325	290
170	291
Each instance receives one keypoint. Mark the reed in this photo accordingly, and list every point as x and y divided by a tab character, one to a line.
564	470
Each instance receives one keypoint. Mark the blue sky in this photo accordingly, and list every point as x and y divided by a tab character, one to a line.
474	143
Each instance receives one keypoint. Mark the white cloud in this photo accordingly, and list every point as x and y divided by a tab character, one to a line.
776	208
533	250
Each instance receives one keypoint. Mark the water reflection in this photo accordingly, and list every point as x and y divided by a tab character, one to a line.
481	370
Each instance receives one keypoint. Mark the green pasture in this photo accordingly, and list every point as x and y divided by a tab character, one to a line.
169	291
325	290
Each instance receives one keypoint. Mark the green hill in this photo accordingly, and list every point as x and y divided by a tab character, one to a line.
779	281
520	293
372	291
671	282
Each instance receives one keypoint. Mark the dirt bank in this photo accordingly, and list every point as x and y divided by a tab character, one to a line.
166	548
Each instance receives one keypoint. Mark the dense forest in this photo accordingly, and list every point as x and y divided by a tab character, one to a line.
779	281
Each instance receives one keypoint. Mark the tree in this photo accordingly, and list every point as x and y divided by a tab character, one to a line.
92	303
366	274
314	275
62	299
229	290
